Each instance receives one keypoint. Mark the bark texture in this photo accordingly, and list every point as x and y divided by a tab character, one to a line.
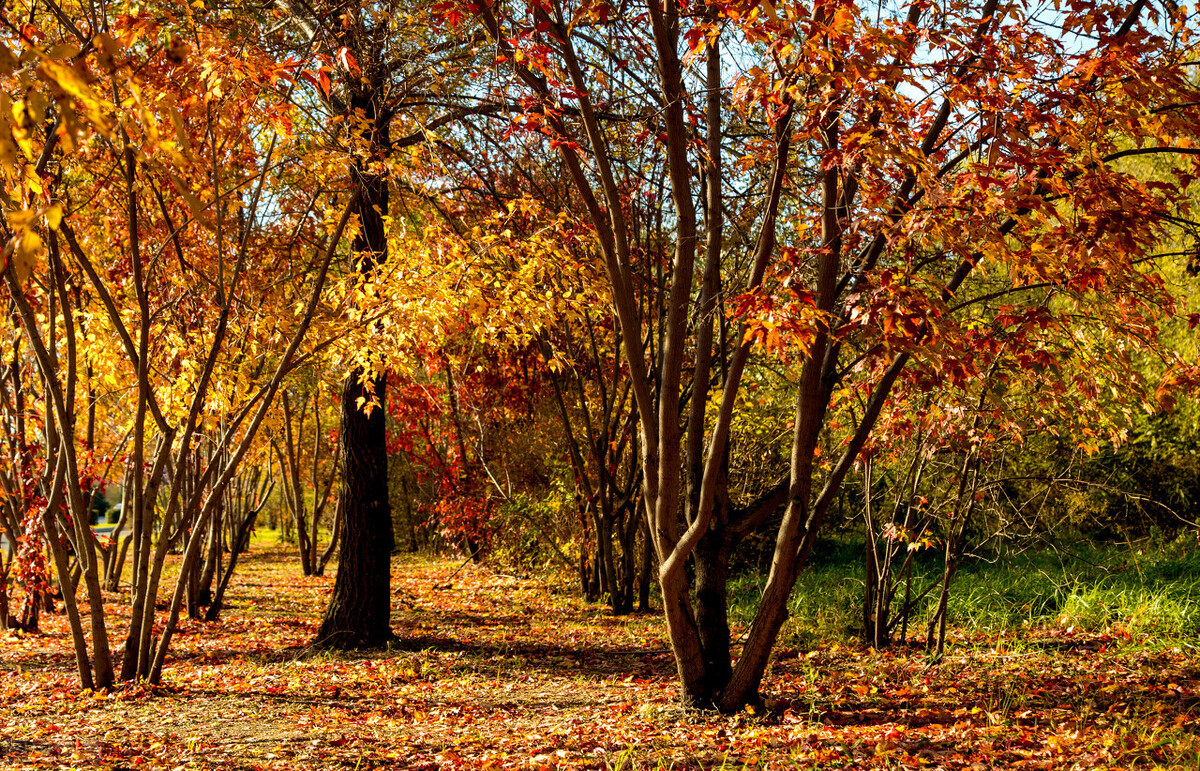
359	613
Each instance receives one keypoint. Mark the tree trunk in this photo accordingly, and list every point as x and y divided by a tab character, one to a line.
334	533
712	576
647	565
604	555
212	563
359	613
629	531
113	575
114	559
240	541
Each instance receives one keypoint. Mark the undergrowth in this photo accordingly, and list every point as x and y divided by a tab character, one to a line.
1146	590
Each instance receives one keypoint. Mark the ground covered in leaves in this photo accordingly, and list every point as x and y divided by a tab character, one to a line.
492	671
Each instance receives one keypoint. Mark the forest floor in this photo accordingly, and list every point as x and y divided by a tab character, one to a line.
492	671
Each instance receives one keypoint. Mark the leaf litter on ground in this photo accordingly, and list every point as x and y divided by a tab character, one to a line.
492	671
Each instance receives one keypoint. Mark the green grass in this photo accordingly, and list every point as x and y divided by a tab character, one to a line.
1147	590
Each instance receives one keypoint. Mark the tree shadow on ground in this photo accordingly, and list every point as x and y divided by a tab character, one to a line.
982	705
581	660
550	658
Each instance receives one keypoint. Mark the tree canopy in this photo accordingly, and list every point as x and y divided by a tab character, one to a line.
653	292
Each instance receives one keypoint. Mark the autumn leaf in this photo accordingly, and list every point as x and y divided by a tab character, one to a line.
70	81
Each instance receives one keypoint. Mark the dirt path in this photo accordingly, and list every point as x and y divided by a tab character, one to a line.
492	671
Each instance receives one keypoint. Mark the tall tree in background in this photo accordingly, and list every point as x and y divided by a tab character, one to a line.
359	612
387	87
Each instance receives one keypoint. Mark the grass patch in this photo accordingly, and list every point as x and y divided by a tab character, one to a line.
1147	590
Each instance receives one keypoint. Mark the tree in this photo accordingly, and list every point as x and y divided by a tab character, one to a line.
909	152
949	444
140	251
467	313
22	559
382	93
307	464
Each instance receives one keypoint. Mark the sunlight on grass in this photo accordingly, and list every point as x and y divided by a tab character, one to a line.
1148	593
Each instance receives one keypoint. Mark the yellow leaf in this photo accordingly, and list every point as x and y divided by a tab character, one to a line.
74	85
8	62
843	20
54	215
25	256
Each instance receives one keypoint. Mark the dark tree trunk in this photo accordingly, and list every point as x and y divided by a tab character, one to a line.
712	620
359	612
5	621
629	530
212	564
604	557
647	565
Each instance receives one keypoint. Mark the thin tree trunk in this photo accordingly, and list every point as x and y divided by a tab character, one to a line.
82	660
241	541
334	538
647	565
